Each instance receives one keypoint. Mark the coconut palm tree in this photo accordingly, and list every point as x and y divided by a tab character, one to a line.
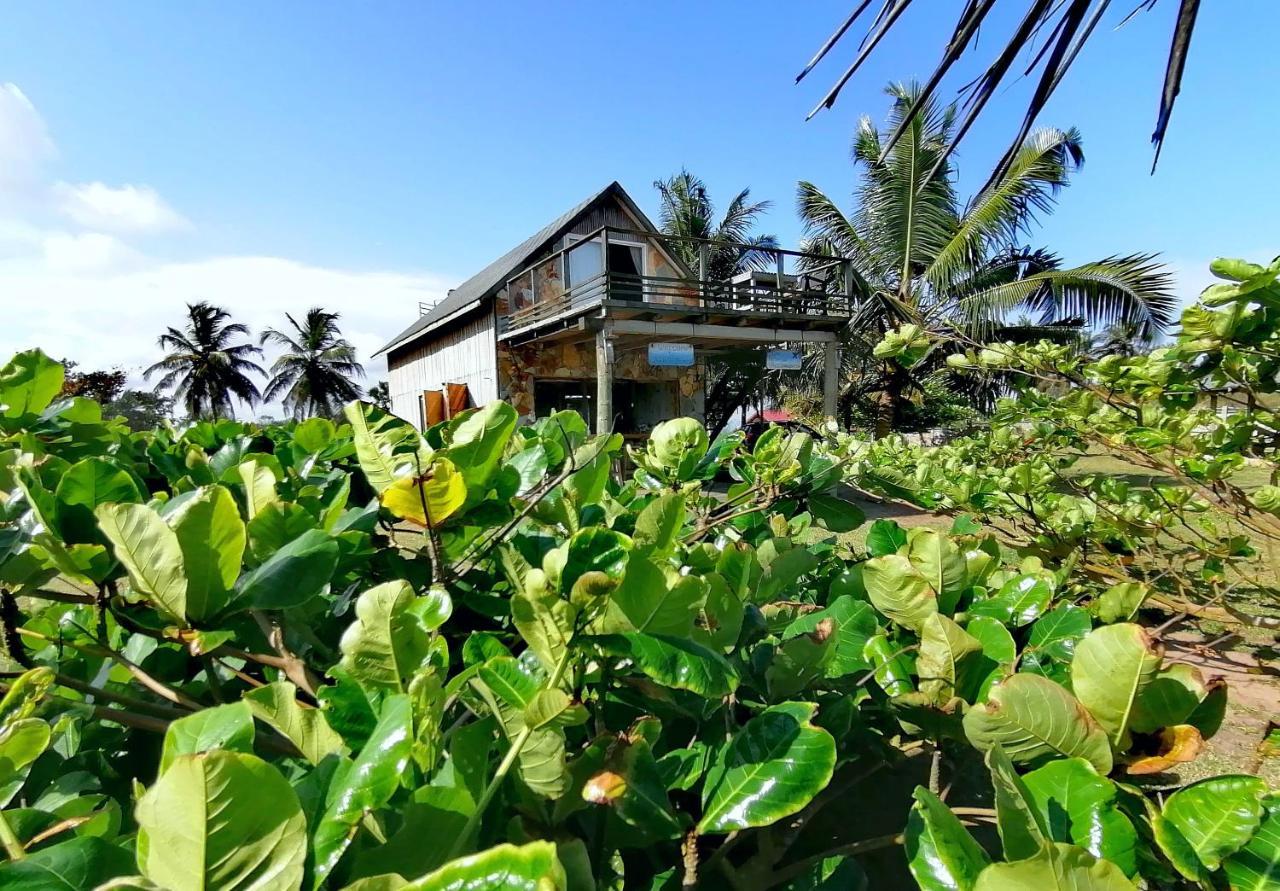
203	368
315	374
686	211
924	258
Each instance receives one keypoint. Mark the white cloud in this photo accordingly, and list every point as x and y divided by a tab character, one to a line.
74	282
25	145
113	320
127	208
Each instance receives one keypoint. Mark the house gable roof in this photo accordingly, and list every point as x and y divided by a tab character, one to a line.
484	284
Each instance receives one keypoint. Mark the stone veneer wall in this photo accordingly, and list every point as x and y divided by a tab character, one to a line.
519	366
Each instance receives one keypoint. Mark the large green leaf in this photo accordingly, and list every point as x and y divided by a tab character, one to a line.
1214	817
387	447
999	653
657	603
259	483
21	743
893	667
29	383
212	538
1058	868
74	865
1033	719
390	638
898	591
1256	866
545	621
1112	666
85	485
670	661
478	442
150	553
941	853
292	575
658	524
938	560
855	623
221	727
307	728
1171	698
947	652
1080	806
1023	829
595	549
363	785
531	867
631	785
221	820
772	768
836	514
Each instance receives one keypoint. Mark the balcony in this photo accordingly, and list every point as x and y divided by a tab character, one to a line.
630	274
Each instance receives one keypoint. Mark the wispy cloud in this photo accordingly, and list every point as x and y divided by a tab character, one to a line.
126	208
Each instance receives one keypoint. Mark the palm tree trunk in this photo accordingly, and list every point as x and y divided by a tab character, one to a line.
889	404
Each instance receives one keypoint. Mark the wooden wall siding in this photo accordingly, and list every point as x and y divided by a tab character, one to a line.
466	355
518	367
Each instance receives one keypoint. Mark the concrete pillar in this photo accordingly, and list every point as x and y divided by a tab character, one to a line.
830	378
604	380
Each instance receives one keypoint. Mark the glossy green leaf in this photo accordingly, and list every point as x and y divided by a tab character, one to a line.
1057	631
1023	828
546	622
212	538
658	524
885	537
387	447
73	865
478	443
28	383
390	638
150	552
772	768
999	652
631	785
25	695
658	603
291	576
855	623
21	743
87	484
363	784
259	484
898	591
946	653
938	560
670	661
1033	719
893	667
595	550
1256	866
277	706
224	820
220	727
1058	868
1171	697
531	867
941	854
1112	666
836	514
1216	817
1080	806
1120	603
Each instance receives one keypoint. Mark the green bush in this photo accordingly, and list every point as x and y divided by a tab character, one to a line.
359	656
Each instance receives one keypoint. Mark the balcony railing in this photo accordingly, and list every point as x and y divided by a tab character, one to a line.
780	284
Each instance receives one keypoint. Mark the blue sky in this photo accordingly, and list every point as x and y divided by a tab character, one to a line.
367	155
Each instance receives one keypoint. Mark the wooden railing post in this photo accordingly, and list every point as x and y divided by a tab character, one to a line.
604	260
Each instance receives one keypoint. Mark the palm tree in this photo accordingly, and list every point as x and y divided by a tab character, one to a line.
686	211
1122	338
923	258
380	395
203	368
314	375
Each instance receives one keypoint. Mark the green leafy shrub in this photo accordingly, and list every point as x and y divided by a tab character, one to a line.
358	656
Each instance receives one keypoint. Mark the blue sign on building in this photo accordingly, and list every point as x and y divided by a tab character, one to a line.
671	355
782	360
